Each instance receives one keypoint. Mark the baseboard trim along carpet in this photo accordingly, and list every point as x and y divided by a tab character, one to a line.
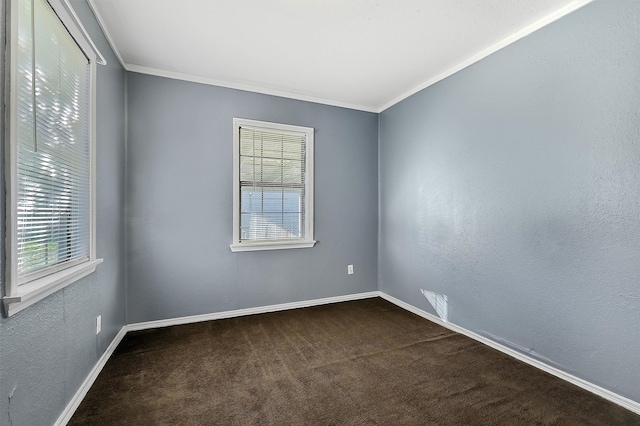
249	311
86	385
88	382
595	389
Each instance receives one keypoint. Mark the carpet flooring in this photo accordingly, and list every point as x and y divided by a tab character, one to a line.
365	362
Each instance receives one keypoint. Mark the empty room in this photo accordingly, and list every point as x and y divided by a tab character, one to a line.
320	212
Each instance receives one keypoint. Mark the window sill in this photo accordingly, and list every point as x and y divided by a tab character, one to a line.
270	246
36	290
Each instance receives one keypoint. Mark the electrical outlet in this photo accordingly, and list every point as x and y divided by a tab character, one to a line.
98	324
350	269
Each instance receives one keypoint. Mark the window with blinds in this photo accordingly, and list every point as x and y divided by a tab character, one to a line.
53	143
50	185
273	188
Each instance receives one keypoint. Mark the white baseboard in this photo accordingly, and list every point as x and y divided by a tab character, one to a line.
93	375
88	382
86	385
627	403
249	311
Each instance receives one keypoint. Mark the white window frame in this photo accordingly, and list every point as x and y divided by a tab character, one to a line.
19	296
307	241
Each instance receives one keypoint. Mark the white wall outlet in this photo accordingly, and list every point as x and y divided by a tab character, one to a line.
350	269
98	324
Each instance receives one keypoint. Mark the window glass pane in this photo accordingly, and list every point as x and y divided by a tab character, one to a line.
292	171
292	223
271	170
251	200
271	213
272	200
264	226
25	71
250	168
250	143
271	147
293	149
292	202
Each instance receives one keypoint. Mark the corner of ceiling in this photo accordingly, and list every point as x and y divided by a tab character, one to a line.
105	30
522	33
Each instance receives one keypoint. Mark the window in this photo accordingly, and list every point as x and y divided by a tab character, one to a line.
50	154
272	186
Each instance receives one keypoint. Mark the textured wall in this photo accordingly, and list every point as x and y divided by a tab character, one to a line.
48	349
513	188
179	203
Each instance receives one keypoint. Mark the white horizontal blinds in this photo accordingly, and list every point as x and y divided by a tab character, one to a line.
272	184
53	203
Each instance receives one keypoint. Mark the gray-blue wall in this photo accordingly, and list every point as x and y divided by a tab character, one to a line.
513	188
48	349
179	203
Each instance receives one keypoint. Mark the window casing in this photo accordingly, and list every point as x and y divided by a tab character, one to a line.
272	186
50	153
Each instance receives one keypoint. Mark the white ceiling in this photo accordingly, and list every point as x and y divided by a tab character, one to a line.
362	54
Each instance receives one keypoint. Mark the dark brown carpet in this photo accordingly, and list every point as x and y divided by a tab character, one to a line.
366	362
